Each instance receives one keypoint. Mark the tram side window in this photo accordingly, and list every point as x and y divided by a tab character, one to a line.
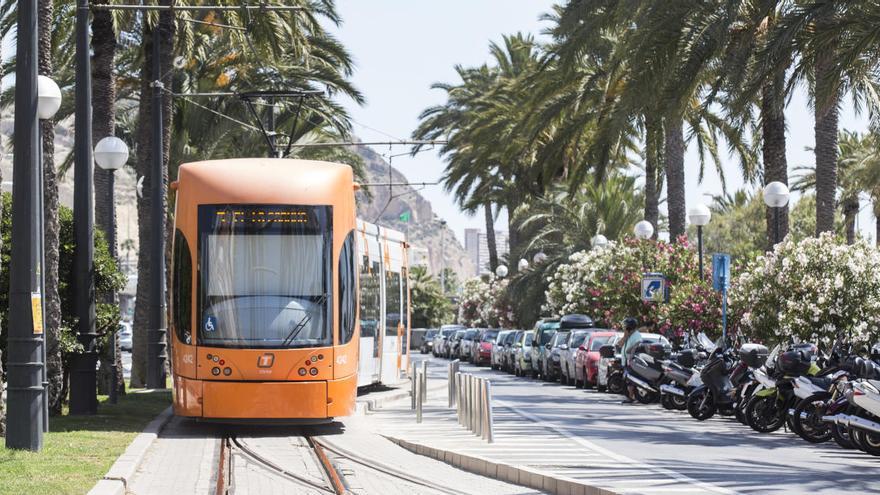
181	283
347	290
369	297
392	302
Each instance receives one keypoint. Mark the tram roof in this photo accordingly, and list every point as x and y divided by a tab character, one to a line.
268	180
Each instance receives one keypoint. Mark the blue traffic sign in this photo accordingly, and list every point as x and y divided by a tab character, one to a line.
654	287
720	271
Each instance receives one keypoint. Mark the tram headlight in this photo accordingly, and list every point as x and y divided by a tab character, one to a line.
313	371
215	371
227	371
302	372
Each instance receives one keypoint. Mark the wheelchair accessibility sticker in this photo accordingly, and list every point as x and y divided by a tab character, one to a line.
210	324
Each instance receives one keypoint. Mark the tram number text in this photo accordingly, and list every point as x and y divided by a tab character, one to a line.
342	359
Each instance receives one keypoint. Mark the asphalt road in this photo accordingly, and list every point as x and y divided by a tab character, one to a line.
719	451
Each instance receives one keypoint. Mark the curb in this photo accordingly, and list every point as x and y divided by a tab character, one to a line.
367	405
115	482
523	476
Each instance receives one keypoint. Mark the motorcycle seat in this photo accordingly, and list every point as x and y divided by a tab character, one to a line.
820	381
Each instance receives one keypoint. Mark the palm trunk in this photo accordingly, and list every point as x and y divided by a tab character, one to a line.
825	128
490	237
775	162
877	230
2	388
652	184
850	211
143	166
675	199
54	361
103	124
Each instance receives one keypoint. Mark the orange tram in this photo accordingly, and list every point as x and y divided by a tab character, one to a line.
282	302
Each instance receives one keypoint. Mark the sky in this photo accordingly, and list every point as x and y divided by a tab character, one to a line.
401	47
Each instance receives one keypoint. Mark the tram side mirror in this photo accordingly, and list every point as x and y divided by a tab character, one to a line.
607	351
547	346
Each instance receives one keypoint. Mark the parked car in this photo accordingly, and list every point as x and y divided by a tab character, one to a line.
428	341
498	349
568	353
483	346
466	343
507	352
605	362
453	347
442	339
544	330
587	358
552	362
124	335
522	353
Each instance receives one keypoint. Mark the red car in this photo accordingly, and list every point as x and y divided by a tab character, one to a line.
587	358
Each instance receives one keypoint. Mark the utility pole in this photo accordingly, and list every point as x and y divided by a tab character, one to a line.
83	378
442	258
156	352
25	338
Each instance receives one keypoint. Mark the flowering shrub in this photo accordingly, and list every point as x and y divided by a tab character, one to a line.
606	285
486	303
811	290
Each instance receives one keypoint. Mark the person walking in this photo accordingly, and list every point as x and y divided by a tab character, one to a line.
628	344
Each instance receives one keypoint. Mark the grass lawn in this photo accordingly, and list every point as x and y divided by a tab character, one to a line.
79	450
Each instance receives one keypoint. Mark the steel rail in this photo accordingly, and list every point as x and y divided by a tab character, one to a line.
269	465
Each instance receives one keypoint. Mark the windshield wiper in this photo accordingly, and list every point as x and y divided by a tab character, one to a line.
294	332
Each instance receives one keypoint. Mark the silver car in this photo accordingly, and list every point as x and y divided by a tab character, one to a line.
602	374
568	354
498	349
522	353
443	338
124	336
466	344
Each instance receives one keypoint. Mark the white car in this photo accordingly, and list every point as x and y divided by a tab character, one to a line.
498	349
568	354
124	335
522	354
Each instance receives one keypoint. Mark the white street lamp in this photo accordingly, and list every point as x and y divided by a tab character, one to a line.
48	97
523	264
599	241
644	229
111	153
776	196
700	215
539	258
501	271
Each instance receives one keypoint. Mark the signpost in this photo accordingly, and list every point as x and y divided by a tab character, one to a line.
654	288
720	282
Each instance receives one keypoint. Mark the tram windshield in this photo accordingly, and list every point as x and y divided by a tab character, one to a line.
265	276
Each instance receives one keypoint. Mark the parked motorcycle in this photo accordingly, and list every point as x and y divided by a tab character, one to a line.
646	370
767	409
724	377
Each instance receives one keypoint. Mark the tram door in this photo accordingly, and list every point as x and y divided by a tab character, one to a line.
370	271
393	311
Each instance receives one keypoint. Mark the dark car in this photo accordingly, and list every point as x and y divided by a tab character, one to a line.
552	364
428	341
481	350
545	329
508	355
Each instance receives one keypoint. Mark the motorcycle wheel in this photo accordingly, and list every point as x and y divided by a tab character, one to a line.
841	436
868	441
645	396
812	428
764	414
678	402
701	405
600	388
615	384
666	401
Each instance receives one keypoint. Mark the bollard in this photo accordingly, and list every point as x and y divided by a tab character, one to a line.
412	378
424	381
469	401
475	416
457	391
419	401
478	430
453	369
489	431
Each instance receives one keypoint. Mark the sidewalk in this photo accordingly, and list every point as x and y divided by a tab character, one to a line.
524	451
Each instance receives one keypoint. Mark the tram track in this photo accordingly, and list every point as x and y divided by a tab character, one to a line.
327	455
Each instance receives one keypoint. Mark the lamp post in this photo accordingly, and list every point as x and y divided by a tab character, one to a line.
523	265
83	377
598	241
539	257
776	196
111	153
501	271
34	98
643	231
700	215
442	258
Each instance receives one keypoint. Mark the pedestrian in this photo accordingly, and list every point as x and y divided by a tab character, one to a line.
628	344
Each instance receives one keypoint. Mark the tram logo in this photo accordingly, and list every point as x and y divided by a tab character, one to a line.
266	360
